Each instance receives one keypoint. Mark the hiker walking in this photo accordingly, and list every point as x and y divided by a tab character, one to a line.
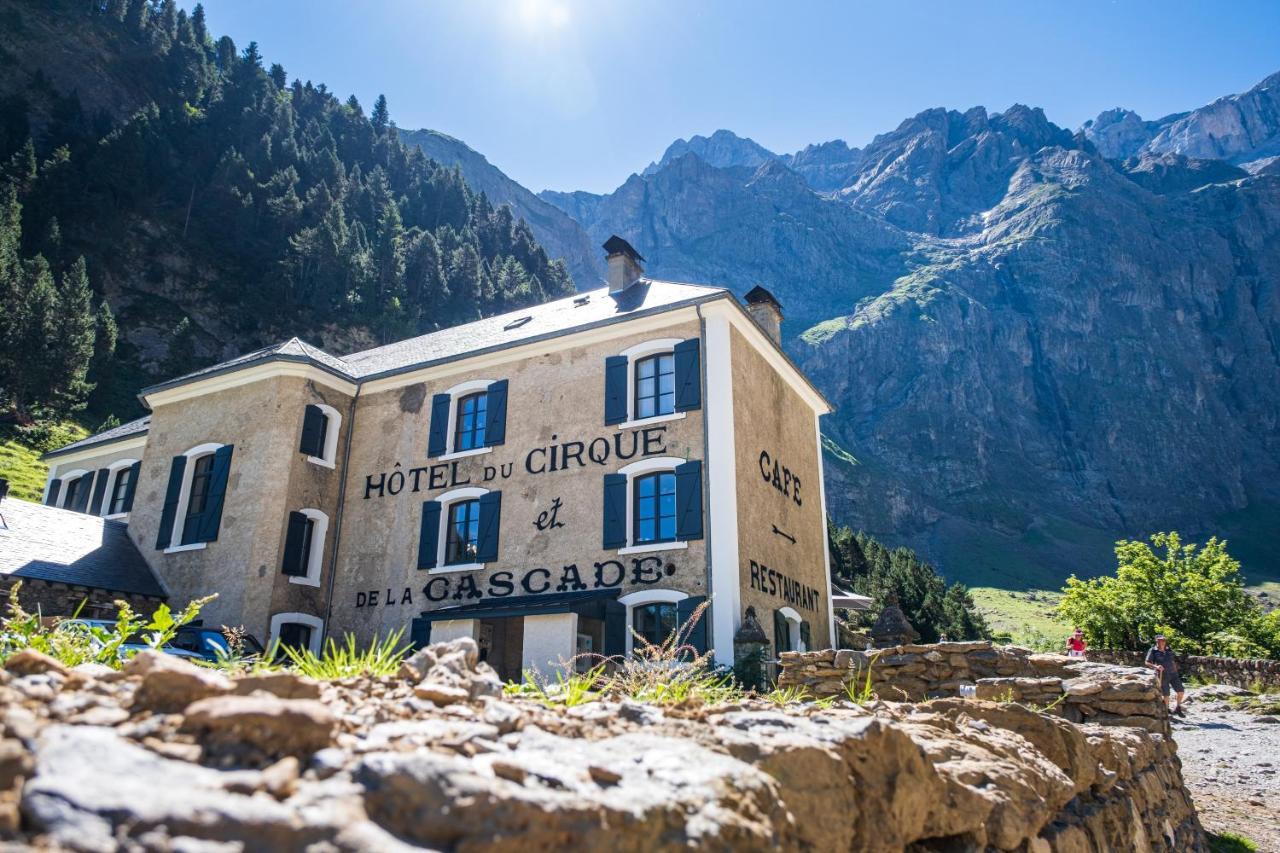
1076	644
1161	659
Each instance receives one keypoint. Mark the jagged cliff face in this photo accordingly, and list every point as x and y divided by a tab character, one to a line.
559	233
1034	349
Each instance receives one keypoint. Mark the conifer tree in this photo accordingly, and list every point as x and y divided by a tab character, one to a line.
380	117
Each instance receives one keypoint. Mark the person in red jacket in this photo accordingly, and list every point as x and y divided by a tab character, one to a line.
1076	644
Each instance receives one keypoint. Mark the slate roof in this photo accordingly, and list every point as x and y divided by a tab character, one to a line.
132	428
57	545
550	319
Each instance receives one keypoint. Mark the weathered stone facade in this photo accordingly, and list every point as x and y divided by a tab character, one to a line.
57	599
558	491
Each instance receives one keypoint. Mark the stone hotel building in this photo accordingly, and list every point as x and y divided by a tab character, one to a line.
551	481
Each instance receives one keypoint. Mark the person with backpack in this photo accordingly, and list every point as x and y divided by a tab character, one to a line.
1162	660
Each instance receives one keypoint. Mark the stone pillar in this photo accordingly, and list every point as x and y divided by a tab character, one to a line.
550	642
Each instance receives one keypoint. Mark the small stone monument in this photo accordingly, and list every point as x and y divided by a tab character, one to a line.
892	628
749	646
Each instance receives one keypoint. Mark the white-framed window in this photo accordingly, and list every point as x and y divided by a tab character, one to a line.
468	413
787	635
304	546
651	505
119	481
651	388
326	440
459	535
298	630
197	479
653	614
73	486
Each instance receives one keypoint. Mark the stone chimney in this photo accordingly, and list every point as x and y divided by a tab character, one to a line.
766	311
624	264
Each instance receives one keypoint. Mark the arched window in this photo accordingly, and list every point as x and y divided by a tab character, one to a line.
653	614
460	530
297	630
653	504
653	381
304	546
468	419
320	426
73	489
193	500
790	631
122	482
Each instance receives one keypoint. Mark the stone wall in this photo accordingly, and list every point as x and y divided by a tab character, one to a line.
181	757
1238	672
1080	691
57	599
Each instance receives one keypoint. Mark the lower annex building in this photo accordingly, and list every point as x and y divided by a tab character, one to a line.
547	481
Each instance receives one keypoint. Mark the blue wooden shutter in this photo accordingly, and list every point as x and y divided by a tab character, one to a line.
135	471
171	494
697	634
99	489
615	389
490	524
429	535
295	562
313	424
688	375
689	500
211	518
437	438
419	632
781	633
495	424
54	488
615	511
615	628
81	498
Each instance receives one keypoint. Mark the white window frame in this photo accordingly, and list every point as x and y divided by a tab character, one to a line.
315	556
113	474
456	393
333	423
184	498
63	479
466	493
648	596
635	469
793	627
634	354
315	623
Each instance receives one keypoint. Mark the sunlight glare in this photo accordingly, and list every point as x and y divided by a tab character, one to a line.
543	15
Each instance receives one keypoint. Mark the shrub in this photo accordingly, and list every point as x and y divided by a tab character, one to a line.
1193	595
72	642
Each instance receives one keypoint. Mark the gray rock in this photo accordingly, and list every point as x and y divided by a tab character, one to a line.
90	784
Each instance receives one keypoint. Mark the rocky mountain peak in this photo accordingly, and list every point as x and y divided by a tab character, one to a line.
721	149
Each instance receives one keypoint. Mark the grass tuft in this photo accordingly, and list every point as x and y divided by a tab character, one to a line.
345	660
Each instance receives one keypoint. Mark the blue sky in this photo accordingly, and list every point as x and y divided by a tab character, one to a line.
578	94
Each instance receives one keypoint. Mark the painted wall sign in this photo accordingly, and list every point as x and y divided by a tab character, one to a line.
776	583
558	456
546	519
468	587
780	477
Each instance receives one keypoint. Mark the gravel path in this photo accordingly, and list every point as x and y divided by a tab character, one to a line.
1231	763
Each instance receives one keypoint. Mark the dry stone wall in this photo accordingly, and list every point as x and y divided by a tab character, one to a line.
1080	691
1239	672
166	756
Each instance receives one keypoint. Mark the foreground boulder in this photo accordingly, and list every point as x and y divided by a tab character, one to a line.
101	763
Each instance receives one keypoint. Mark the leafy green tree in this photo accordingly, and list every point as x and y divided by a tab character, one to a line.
1192	594
862	565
